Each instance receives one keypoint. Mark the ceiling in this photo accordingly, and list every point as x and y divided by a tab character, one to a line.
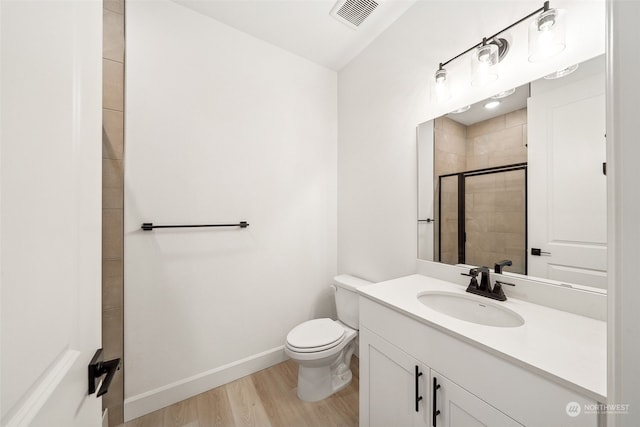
303	27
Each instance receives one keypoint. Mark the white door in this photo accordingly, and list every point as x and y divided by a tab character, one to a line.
567	187
426	225
459	408
50	205
395	385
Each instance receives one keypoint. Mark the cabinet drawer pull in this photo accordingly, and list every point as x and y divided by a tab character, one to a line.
418	397
436	412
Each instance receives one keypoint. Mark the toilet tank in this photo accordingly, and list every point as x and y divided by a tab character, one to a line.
347	298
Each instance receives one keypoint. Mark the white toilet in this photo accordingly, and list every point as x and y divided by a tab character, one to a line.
323	347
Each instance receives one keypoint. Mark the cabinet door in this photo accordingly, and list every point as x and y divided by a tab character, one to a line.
393	385
459	408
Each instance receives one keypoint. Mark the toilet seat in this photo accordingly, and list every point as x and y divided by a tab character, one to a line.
315	335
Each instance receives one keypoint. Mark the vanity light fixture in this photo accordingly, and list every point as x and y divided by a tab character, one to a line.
547	34
491	105
443	87
484	63
562	73
546	38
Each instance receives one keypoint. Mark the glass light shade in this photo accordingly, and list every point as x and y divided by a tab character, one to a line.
442	86
484	64
547	35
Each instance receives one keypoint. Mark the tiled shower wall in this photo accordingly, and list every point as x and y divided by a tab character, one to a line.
494	203
495	206
112	199
450	156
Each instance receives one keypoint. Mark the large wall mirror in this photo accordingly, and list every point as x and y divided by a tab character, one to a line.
521	177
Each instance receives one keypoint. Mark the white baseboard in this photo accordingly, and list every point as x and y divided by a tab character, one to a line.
145	403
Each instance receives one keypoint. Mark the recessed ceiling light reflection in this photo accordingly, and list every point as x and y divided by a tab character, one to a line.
503	94
491	105
561	73
461	110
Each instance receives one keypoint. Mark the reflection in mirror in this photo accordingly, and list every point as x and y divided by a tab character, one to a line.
522	181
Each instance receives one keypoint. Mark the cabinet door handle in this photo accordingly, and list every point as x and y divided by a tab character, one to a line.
418	397
436	412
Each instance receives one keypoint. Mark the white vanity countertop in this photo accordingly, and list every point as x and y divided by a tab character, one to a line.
564	347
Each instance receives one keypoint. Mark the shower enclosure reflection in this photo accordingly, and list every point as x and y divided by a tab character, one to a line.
476	204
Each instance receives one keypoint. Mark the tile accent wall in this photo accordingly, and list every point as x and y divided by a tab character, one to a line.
494	203
450	156
498	141
112	199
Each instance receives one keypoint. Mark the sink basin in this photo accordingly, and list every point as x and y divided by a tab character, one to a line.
471	309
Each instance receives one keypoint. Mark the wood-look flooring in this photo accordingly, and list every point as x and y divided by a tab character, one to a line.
264	399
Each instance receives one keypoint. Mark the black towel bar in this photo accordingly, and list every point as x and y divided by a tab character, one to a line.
148	226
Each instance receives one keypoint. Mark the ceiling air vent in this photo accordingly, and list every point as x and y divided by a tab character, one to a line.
353	12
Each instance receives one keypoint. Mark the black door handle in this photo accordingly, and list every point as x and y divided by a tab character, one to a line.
436	412
538	252
97	368
418	397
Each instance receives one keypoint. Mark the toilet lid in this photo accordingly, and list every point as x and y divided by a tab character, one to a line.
315	333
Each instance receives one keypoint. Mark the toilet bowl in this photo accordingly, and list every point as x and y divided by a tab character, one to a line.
323	347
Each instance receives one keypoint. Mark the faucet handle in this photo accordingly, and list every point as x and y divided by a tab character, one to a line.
504	283
472	273
498	292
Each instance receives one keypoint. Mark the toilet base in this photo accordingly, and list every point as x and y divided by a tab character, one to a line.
319	382
316	384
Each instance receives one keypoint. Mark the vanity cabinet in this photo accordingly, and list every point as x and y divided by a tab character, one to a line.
398	392
401	392
458	408
400	357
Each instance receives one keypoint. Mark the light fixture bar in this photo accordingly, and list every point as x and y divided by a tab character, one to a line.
544	8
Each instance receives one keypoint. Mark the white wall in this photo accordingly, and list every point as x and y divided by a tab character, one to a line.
385	92
623	131
220	127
